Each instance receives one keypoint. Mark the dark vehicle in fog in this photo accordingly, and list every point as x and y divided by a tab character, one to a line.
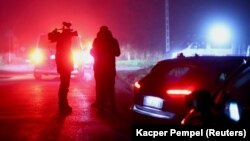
229	107
161	95
43	58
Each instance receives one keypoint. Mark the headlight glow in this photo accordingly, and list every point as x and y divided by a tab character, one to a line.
37	56
137	85
77	58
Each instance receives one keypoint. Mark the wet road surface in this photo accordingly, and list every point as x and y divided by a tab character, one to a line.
28	112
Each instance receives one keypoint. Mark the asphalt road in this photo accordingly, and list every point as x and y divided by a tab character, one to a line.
28	111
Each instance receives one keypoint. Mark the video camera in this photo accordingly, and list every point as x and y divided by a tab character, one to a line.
55	34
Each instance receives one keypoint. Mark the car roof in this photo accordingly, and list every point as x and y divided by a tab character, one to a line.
220	63
203	60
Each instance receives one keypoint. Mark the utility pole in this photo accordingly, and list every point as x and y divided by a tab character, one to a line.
167	26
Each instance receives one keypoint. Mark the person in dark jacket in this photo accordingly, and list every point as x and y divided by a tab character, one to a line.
64	62
104	50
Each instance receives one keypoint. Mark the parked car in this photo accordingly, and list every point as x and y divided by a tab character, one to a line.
43	58
161	95
229	107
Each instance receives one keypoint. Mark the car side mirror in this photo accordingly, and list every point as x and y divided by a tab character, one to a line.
201	100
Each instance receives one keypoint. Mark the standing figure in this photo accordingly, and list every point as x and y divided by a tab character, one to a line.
104	50
64	62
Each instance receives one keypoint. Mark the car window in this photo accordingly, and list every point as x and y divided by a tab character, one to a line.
178	71
168	72
175	74
200	73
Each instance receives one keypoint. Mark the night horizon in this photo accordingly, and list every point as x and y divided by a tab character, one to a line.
136	24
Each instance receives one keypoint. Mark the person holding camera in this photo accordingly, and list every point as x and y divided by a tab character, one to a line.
64	63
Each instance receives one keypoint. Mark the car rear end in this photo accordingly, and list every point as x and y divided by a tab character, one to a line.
162	94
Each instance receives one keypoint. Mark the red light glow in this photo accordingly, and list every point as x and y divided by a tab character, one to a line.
183	121
137	85
178	92
37	56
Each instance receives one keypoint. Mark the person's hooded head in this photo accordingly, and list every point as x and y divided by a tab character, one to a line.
104	29
104	32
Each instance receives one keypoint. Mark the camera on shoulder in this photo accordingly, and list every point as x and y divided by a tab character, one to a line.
55	34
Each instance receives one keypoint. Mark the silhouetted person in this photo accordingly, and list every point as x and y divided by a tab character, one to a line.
104	50
64	62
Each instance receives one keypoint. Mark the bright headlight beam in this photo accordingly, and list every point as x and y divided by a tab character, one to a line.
220	34
37	56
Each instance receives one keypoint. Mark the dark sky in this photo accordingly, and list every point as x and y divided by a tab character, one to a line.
131	21
139	23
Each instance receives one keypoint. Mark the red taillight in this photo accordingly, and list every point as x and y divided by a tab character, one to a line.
178	92
137	85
